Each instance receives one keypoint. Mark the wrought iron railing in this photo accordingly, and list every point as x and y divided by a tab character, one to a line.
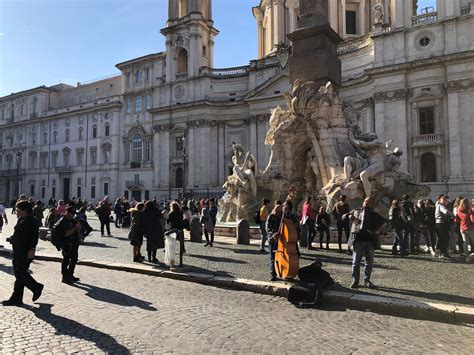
424	19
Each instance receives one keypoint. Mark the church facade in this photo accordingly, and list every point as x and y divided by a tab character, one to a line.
165	125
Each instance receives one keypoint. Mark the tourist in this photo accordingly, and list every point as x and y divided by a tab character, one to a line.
187	218
273	228
81	217
118	210
152	231
443	219
3	216
340	209
68	229
455	236
408	213
465	219
175	220
38	212
206	221
421	221
103	211
323	221
13	205
398	225
308	219
263	215
24	241
126	219
213	211
51	218
61	208
365	224
429	208
136	231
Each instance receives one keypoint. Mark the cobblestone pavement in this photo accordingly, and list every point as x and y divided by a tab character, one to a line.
419	277
116	312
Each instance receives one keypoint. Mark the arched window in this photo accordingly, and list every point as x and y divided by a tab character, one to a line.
138	76
137	145
178	178
107	130
12	113
67	135
55	137
182	61
94	131
81	133
428	167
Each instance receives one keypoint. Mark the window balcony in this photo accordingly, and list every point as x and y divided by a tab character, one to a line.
134	184
424	140
424	19
135	165
63	169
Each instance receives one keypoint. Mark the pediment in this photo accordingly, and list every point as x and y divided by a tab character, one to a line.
276	85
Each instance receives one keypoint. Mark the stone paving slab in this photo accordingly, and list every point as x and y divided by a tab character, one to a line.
420	277
120	313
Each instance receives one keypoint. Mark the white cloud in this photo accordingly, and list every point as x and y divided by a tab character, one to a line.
2	33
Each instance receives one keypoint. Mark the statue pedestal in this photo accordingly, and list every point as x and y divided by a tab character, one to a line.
378	28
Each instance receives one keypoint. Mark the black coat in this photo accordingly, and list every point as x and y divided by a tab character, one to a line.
25	237
154	235
175	219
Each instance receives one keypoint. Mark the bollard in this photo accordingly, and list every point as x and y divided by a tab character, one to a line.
304	236
195	230
243	232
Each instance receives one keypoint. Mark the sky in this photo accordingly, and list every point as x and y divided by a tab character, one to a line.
44	42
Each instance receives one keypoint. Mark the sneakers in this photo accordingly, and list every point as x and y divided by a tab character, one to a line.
354	284
369	284
37	292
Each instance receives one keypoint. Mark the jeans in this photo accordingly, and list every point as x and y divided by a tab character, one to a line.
310	231
321	235
342	226
442	231
118	220
70	256
104	222
362	248
399	241
467	239
273	246
263	230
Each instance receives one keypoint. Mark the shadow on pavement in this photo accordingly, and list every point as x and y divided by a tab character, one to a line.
218	259
97	245
114	297
6	269
436	296
69	327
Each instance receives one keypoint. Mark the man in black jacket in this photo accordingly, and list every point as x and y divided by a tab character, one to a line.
24	242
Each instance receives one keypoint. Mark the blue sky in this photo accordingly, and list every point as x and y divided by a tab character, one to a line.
43	42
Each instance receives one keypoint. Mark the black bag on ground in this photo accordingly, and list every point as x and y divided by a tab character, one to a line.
308	296
314	274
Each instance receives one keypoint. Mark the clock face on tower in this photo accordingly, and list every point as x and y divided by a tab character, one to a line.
179	91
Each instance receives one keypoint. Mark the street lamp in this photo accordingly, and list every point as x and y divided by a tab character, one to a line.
18	162
183	139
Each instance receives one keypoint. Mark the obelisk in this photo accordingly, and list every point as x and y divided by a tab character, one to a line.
314	42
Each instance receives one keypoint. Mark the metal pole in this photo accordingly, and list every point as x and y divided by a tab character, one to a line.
17	175
184	164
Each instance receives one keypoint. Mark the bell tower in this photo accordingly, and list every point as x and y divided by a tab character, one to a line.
189	36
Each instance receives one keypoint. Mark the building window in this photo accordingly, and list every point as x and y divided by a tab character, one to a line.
106	188
351	22
93	181
67	135
137	145
81	133
106	156
138	104
45	138
22	110
147	195
127	152
43	160
43	192
12	113
428	167
3	115
138	76
128	104
53	192
179	145
107	129
92	191
93	156
35	105
148	102
54	160
94	131
182	62
79	154
427	120
147	74
127	79
204	51
178	178
32	190
55	137
79	191
147	151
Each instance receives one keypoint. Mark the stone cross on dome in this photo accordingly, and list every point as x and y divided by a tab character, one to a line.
313	13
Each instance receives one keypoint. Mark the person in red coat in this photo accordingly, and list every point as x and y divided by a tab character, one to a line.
465	217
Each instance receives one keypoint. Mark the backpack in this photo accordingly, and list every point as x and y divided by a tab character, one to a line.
57	235
256	217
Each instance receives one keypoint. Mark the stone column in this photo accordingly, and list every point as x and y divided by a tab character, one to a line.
260	34
155	158
454	135
164	160
379	123
280	22
397	13
191	157
169	61
333	15
221	152
205	159
194	57
370	116
253	134
452	8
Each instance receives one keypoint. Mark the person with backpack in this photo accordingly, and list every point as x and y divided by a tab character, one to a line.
65	237
206	221
24	241
261	218
103	211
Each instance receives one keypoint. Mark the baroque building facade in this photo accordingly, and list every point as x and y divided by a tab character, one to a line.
166	124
